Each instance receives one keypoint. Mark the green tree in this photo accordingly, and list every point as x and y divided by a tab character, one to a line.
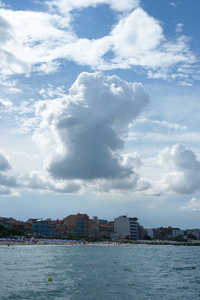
147	237
3	231
191	236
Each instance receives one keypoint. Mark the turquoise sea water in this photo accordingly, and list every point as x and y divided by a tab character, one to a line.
99	272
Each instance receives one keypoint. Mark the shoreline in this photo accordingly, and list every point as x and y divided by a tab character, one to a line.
110	243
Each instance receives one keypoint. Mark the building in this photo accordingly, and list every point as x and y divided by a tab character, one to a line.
126	227
114	236
105	230
179	233
167	232
99	221
141	232
19	225
7	222
150	233
41	227
80	222
30	221
94	233
195	232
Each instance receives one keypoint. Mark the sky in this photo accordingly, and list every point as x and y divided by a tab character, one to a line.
99	110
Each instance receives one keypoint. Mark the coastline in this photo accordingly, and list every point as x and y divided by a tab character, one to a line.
110	243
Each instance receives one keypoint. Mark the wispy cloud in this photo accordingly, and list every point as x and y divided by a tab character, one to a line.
166	124
119	6
173	4
179	27
5	105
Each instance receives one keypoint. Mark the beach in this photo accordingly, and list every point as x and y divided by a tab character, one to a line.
101	243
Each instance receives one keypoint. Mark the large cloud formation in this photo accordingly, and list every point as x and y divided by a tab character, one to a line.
85	130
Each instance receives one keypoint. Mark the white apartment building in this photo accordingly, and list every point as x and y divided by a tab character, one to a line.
195	232
177	232
126	227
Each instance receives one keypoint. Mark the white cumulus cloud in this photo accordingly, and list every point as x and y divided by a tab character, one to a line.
37	41
136	34
182	169
84	131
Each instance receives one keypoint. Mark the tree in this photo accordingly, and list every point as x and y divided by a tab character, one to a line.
3	231
191	236
147	237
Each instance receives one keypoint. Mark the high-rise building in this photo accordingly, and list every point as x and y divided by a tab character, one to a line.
126	227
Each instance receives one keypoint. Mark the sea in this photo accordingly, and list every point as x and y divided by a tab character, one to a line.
99	272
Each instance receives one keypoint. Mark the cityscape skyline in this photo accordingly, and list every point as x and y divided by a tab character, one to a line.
96	216
79	226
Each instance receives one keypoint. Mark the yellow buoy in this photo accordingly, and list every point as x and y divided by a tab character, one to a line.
50	279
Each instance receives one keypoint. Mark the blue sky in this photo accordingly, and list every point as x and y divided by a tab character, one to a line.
99	110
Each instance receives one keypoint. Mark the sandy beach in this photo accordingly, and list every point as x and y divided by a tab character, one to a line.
109	243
